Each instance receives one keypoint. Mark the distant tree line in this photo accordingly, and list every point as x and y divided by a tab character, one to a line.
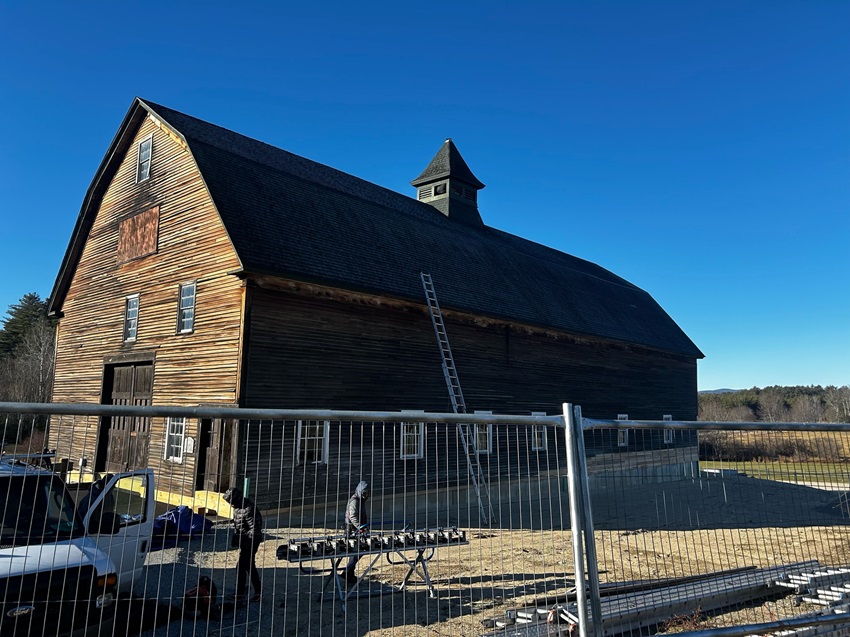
27	344
778	404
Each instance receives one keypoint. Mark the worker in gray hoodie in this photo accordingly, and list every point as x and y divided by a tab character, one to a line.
247	535
356	523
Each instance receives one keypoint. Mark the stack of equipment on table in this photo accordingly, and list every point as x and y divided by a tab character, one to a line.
312	548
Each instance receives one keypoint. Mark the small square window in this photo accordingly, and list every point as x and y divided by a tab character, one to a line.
175	436
143	169
131	317
313	441
538	434
482	435
186	308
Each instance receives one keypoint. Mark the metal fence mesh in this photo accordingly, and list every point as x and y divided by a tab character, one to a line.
694	526
734	527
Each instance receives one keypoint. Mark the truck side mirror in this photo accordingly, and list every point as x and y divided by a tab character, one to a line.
107	524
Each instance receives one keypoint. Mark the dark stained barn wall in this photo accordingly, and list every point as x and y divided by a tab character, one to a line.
306	351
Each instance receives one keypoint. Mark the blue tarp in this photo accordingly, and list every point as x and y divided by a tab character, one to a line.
176	524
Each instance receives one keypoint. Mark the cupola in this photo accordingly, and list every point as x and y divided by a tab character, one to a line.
448	184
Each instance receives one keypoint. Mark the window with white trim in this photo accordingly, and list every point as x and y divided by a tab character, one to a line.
482	435
538	434
622	434
313	442
412	440
174	437
131	317
668	433
143	166
186	308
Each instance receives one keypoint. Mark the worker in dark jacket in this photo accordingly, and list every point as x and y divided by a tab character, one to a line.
248	533
356	523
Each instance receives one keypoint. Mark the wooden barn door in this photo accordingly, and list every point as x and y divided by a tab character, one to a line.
216	459
127	437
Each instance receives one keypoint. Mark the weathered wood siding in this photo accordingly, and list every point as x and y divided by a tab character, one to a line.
305	351
191	245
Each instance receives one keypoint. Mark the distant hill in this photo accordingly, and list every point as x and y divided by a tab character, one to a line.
719	391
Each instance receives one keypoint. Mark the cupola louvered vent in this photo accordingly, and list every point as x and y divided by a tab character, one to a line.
425	193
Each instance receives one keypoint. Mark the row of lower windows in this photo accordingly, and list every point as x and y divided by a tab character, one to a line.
185	312
313	440
623	434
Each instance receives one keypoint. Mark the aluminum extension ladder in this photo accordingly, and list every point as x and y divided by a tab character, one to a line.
476	474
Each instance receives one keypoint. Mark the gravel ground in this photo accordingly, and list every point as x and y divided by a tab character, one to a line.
643	532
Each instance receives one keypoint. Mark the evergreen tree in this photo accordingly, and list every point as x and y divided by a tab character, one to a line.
21	318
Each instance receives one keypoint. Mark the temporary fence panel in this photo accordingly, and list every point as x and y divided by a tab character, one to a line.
430	560
709	525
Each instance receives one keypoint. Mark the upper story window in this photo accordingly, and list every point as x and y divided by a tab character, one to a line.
143	168
186	308
131	317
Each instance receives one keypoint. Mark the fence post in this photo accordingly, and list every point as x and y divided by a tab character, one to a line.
589	540
576	511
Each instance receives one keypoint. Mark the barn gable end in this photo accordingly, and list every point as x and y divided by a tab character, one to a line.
141	240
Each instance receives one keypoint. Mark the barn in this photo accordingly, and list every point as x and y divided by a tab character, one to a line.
209	268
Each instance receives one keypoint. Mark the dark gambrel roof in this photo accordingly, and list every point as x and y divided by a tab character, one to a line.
292	217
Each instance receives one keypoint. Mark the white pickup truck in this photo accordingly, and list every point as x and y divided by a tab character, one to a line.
66	549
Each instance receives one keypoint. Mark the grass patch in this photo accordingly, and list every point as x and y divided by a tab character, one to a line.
785	471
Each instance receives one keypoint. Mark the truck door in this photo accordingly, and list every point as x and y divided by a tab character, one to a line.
120	519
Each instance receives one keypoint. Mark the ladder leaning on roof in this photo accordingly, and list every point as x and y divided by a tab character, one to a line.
476	474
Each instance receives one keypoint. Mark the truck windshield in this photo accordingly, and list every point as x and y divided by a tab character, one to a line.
36	509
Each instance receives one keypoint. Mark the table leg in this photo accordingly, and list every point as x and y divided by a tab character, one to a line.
424	564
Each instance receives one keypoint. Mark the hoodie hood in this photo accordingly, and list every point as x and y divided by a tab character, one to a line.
233	497
362	487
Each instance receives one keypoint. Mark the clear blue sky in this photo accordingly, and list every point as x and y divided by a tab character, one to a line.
700	150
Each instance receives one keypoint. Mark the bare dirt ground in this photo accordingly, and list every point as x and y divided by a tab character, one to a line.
668	529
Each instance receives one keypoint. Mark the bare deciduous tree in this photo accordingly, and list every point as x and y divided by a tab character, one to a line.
807	408
773	408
